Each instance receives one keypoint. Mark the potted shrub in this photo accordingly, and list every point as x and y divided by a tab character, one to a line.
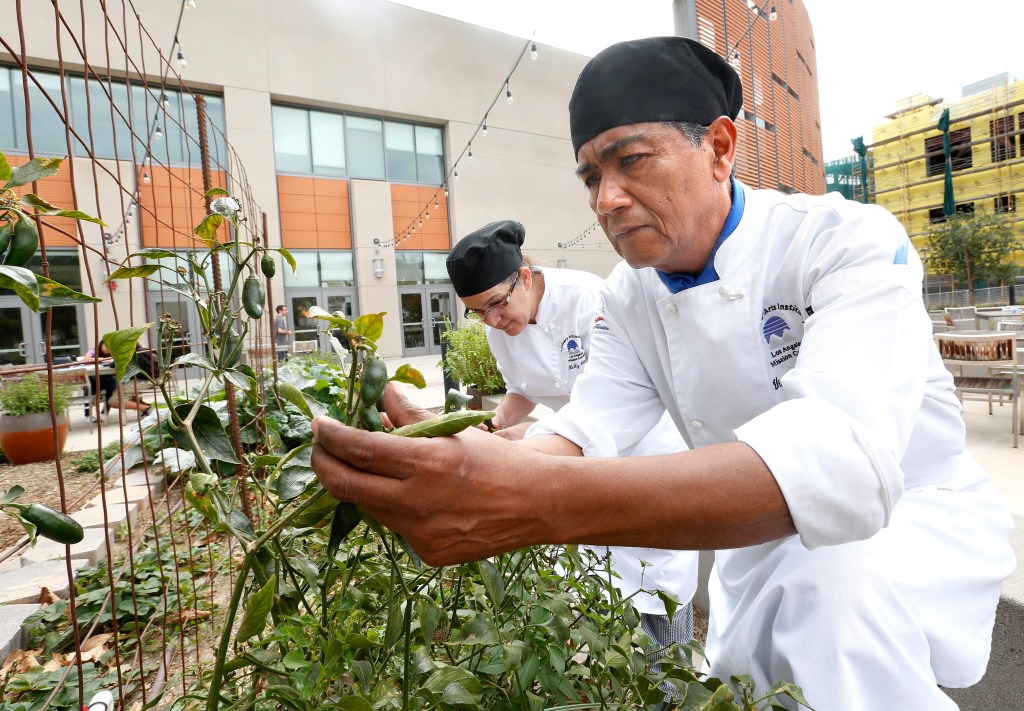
26	429
468	360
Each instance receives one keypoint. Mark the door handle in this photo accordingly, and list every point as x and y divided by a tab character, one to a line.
21	349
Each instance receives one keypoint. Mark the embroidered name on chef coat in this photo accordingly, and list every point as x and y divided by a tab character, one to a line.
573	352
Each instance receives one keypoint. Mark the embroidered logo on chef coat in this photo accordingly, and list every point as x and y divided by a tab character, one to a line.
781	326
599	324
575	355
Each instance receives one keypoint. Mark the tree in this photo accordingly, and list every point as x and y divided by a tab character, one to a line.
974	247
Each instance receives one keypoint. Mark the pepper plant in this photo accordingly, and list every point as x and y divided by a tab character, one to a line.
329	608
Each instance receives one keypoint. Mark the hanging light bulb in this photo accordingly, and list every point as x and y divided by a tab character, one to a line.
427	215
145	178
773	15
470	156
735	55
483	131
421	224
445	192
436	206
190	4
158	133
533	50
508	94
181	59
164	101
456	180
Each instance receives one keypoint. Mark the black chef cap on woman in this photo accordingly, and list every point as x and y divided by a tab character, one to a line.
486	257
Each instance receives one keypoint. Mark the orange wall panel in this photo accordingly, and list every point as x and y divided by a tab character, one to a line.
409	204
57	191
314	213
172	204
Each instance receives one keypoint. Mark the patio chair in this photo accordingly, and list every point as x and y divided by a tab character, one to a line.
995	374
304	346
962	318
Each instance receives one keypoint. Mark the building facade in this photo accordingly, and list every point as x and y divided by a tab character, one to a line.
986	156
371	136
771	45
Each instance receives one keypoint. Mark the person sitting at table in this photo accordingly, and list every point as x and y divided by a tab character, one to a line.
108	382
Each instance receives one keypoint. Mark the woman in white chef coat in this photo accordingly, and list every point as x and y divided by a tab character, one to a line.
539	327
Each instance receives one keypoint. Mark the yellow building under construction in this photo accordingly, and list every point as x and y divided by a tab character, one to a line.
986	155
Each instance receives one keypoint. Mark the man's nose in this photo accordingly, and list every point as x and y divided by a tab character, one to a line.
610	197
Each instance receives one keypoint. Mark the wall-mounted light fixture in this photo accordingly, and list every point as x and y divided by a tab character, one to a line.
562	263
378	264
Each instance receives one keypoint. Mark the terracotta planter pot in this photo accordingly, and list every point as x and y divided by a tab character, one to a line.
29	438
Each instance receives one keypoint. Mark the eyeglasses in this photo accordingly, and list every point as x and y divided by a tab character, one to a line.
495	308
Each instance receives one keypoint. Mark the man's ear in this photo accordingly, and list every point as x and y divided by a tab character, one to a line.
722	136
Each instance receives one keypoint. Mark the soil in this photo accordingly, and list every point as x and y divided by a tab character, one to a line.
40	482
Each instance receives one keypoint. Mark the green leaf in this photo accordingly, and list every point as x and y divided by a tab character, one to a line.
196	360
23	283
257	607
370	326
670	601
214	192
791	690
33	200
5	168
492	582
454	400
265	460
293	395
79	215
407	374
479	629
156	253
287	257
306	569
15	491
346	517
122	345
293	481
429	614
143	270
354	703
35	169
241	380
393	631
207	229
209	432
52	293
446	676
241	525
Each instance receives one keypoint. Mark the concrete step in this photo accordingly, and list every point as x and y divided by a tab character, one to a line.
92	549
12	627
117	495
24	584
155	481
117	514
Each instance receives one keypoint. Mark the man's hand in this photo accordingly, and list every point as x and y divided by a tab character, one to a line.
453	499
514	432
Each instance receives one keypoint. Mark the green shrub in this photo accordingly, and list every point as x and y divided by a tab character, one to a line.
30	394
468	358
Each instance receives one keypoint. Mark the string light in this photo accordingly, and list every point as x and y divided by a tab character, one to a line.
158	134
456	180
181	59
445	192
436	206
483	131
533	51
164	101
145	178
190	4
428	215
470	155
508	93
773	15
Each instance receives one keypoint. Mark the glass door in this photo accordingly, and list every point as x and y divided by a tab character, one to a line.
65	327
424	309
15	336
305	328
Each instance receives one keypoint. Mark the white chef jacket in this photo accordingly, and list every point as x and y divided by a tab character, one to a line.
814	348
542	364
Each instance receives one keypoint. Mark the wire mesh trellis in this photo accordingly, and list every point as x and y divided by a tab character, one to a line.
142	151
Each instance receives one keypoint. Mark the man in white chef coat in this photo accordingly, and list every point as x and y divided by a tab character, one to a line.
860	549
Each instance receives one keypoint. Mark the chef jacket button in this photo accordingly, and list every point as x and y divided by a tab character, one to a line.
547	329
671	307
697	424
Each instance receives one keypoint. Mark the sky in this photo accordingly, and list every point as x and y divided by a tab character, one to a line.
871	53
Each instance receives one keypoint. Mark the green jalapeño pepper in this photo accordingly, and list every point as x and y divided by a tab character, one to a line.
268	266
53	524
24	243
253	297
373	380
6	232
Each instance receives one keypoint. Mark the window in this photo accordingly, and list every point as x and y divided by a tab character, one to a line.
317	268
418	268
326	143
936	215
401	151
327	135
291	140
172	277
1004	146
959	152
365	141
47	129
1006	203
